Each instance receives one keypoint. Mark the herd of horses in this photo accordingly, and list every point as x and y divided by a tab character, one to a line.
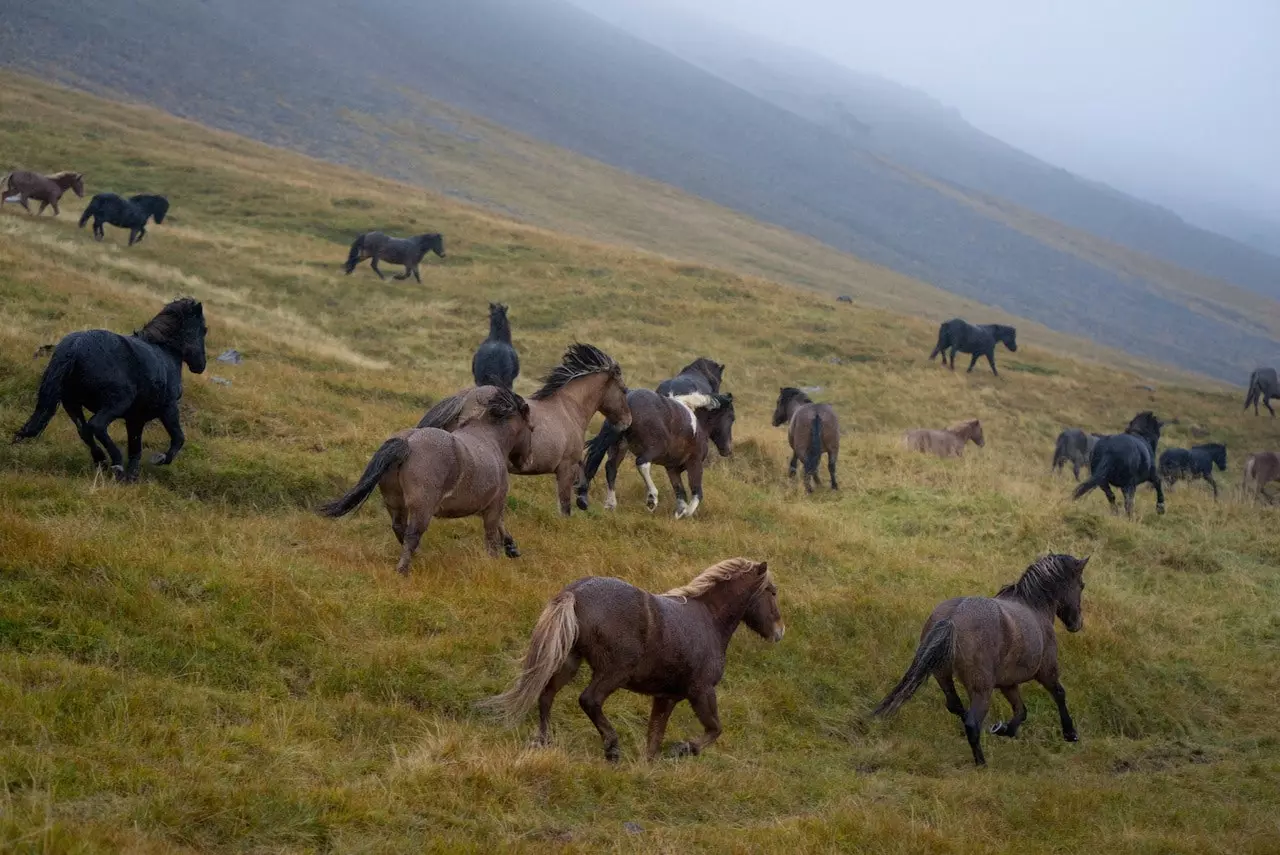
672	646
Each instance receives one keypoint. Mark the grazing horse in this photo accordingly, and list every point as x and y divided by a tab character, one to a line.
670	646
1260	469
812	430
376	247
1074	446
669	431
136	378
1179	464
702	375
427	472
1126	460
958	335
45	189
131	213
586	382
1000	643
1263	386
496	362
948	442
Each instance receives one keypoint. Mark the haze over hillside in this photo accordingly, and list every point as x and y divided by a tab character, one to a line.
890	176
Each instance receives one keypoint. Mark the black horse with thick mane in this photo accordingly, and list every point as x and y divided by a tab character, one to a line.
496	362
137	378
702	375
959	335
1181	464
131	213
1126	460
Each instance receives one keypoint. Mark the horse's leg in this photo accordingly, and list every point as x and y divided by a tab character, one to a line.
1266	402
695	488
419	520
98	425
1128	493
1010	728
1050	681
704	707
677	487
415	274
22	200
973	360
134	427
651	489
979	702
76	414
795	459
43	205
953	357
954	705
1075	469
393	501
566	475
1111	497
1155	480
991	358
658	717
614	459
373	262
557	682
1213	484
172	426
832	453
492	516
592	700
98	231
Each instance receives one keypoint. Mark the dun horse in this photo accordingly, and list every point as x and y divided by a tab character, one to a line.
669	431
670	646
812	430
958	335
1180	464
137	378
948	442
45	189
426	472
1000	643
702	375
496	362
376	247
1126	460
131	213
1260	469
1263	386
1074	446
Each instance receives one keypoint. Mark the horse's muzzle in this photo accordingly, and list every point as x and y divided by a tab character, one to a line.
779	631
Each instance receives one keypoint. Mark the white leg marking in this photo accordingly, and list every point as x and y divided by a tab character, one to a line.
688	511
610	500
680	506
651	489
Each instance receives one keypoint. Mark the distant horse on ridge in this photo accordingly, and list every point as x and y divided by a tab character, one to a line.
959	335
377	246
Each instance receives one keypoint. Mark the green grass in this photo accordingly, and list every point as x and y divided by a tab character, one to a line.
198	662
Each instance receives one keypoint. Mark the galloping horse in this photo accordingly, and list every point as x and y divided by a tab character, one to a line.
1000	643
496	362
376	247
131	213
948	442
136	378
1074	446
1263	386
1180	464
45	189
670	646
1126	460
427	472
669	431
959	335
812	429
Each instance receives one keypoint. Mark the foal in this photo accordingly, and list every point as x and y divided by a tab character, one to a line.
945	443
1000	643
1180	464
812	430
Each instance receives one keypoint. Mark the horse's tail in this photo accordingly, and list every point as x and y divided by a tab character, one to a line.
1059	453
935	651
1254	390
942	342
1097	477
392	453
50	393
353	257
814	454
6	184
1249	466
609	436
89	210
551	644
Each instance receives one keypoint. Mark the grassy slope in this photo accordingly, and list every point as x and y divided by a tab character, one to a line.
199	662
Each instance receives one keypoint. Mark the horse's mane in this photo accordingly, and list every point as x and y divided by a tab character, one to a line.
504	404
499	325
730	568
701	401
444	412
156	206
1040	583
1217	452
1145	425
706	367
791	393
958	427
580	360
165	329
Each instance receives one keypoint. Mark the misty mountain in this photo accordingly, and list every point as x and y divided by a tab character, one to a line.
861	165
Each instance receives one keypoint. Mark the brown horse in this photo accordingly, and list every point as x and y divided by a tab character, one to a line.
813	430
945	443
427	472
669	431
45	189
671	647
1260	469
586	382
376	247
1000	643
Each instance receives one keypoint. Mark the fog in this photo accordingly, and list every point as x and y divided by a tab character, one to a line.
1177	101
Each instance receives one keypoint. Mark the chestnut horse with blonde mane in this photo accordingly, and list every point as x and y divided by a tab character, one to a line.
45	189
945	443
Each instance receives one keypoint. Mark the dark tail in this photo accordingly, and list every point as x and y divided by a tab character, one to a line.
1097	477
50	394
353	257
89	211
814	454
609	436
392	453
935	651
942	342
1253	390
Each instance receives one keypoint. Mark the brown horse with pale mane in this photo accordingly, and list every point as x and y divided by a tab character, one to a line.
670	646
945	443
1000	643
426	472
45	189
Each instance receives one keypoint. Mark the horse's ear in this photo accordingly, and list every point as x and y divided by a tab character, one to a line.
762	567
1081	563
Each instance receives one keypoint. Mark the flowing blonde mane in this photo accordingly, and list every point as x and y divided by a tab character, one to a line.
730	568
965	426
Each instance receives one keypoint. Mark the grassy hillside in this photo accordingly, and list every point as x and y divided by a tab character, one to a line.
198	662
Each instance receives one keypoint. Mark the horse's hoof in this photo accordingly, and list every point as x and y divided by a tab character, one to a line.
612	754
118	472
1160	509
511	550
1071	737
1001	728
582	503
684	749
651	502
159	459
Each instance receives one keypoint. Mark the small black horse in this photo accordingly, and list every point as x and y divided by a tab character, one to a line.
1126	460
131	213
377	246
960	335
1180	464
1263	386
136	378
496	362
702	375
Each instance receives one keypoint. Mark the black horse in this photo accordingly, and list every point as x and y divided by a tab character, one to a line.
1263	386
131	213
377	246
1180	464
496	362
702	375
1126	460
136	378
960	335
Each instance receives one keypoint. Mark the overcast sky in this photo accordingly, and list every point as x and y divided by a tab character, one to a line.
1177	96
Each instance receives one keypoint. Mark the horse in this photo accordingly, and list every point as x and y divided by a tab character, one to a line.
496	362
703	376
1126	460
1180	464
1263	386
45	189
948	442
812	430
1260	469
427	472
376	247
137	378
587	381
959	335
1074	446
131	213
669	646
671	431
1000	643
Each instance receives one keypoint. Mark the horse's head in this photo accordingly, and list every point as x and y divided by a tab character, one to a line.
708	368
786	396
194	329
1069	595
159	208
497	310
77	183
975	433
1146	426
763	616
523	427
1009	336
432	243
613	402
720	425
